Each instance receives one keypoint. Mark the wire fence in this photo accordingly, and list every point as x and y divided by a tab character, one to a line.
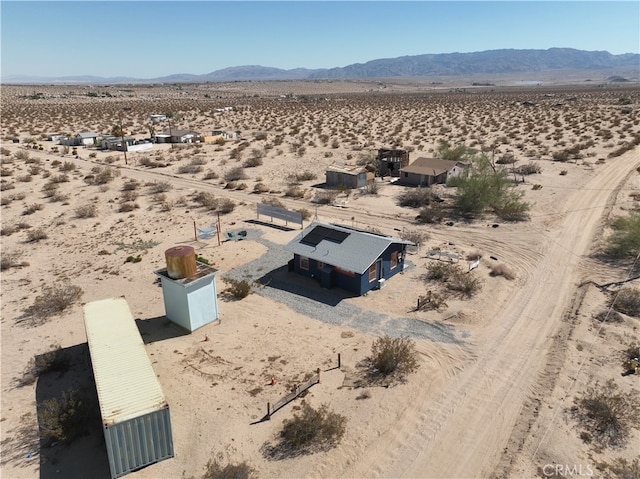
298	389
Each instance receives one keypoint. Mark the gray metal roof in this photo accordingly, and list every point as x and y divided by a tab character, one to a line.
356	253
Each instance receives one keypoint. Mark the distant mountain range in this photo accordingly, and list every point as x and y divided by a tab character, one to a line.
490	62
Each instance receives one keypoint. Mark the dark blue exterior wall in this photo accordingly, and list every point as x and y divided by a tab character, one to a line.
356	283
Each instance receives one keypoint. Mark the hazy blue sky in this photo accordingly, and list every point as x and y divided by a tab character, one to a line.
148	39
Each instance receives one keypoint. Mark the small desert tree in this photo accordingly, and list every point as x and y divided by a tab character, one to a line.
625	240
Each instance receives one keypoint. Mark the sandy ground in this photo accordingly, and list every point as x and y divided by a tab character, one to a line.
490	398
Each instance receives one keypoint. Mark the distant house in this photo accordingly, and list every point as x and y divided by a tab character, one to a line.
85	138
157	118
55	137
110	142
348	177
389	162
348	258
179	136
430	171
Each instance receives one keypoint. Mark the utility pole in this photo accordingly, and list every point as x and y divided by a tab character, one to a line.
124	145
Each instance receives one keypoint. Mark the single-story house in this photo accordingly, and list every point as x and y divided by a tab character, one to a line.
55	137
389	162
349	258
179	136
156	118
430	171
348	177
110	142
85	138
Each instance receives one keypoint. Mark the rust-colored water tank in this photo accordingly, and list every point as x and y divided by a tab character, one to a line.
181	262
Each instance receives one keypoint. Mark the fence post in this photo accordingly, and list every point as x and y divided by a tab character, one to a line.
339	361
318	371
268	410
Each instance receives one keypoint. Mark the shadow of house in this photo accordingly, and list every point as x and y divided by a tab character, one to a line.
307	288
86	453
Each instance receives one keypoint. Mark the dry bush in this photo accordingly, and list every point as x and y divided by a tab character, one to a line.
37	234
63	420
238	289
11	260
273	201
607	414
53	300
215	470
29	210
627	301
102	175
129	195
415	236
312	429
53	360
294	192
260	188
131	185
159	187
529	169
86	211
432	214
431	302
501	270
211	175
190	169
235	174
326	197
393	356
416	198
127	207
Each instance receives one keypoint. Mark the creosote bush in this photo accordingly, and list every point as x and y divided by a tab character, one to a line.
63	420
238	289
215	470
393	356
313	429
86	211
53	300
607	413
627	301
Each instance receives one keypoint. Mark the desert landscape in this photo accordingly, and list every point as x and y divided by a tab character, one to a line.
502	369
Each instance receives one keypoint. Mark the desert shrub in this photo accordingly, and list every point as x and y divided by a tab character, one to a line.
273	201
529	169
211	175
609	316
225	206
260	188
326	197
294	192
190	169
313	428
371	189
431	302
299	176
29	210
607	413
621	468
25	178
206	200
632	352
63	420
102	176
215	470
53	360
434	213
129	195
235	174
53	300
238	289
37	234
627	301
159	187
67	166
395	356
255	159
501	270
416	198
127	207
463	283
439	271
415	236
625	240
86	211
130	185
11	260
306	214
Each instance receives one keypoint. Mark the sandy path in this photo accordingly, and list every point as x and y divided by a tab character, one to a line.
433	437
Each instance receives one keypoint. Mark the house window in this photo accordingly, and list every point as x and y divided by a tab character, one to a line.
304	263
394	260
373	272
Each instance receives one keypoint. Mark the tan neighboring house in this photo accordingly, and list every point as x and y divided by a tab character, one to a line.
430	171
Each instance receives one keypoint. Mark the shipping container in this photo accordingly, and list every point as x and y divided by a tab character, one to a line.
135	414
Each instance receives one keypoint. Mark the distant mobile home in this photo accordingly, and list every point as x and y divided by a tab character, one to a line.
135	413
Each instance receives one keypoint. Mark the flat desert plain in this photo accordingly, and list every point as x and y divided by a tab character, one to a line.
500	370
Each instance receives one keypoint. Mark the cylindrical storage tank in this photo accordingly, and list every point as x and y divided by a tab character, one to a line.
181	262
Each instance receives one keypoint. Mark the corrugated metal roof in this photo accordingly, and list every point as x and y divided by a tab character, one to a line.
355	253
126	383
